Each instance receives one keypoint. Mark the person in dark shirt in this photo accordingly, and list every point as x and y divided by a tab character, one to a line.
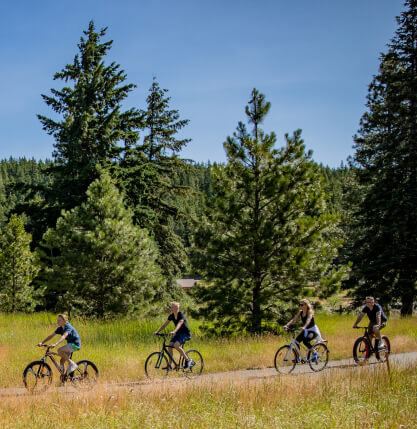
67	332
377	319
181	332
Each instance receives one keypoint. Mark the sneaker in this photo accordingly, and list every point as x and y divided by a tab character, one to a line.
381	345
315	356
72	367
189	364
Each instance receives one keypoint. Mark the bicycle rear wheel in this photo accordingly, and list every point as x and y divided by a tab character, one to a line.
285	360
318	361
156	365
197	364
361	351
382	355
37	376
85	376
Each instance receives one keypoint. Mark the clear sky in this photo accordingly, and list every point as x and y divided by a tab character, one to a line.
313	60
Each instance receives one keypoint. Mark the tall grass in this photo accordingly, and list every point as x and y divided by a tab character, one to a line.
120	347
358	398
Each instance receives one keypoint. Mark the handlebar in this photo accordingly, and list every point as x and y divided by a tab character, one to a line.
360	327
46	345
162	335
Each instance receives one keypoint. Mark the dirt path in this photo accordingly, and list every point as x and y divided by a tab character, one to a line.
397	361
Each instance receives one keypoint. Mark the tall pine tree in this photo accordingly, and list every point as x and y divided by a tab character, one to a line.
267	234
385	241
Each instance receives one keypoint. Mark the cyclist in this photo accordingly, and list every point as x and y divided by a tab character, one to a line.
377	319
310	330
67	332
181	333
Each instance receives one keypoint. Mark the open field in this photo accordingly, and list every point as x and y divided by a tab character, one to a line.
119	348
354	398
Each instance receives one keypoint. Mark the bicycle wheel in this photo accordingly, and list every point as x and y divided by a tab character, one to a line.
85	376
361	351
319	361
156	365
285	360
37	376
382	355
197	368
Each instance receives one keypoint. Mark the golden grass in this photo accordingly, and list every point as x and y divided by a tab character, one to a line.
119	348
354	398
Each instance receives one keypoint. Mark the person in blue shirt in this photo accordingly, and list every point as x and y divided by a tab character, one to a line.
377	319
67	332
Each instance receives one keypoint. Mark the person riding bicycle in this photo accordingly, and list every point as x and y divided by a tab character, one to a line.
181	333
310	330
377	319
67	332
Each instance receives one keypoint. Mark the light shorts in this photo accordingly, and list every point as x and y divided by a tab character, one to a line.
73	347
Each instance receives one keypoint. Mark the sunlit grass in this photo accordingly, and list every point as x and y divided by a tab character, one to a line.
120	347
355	398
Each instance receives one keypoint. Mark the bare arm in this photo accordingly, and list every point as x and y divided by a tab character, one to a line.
47	339
63	336
378	318
180	323
293	320
161	328
358	319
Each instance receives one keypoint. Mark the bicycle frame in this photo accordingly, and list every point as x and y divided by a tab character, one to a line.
51	354
368	337
298	347
165	350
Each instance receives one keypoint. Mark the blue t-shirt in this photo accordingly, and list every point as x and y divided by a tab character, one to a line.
72	337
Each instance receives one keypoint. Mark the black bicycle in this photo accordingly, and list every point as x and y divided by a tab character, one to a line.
37	376
363	347
158	364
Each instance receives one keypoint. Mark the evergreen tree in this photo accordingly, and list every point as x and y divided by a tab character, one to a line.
384	251
148	173
100	263
267	234
93	128
18	267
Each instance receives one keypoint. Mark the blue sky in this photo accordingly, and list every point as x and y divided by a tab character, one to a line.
313	60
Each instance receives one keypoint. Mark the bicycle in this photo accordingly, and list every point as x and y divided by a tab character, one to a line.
288	356
37	376
363	348
157	364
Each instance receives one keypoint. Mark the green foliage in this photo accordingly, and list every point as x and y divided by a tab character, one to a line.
100	263
385	222
92	126
267	232
147	172
18	267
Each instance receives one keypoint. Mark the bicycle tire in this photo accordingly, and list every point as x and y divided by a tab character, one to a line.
381	355
322	358
361	351
156	366
86	375
285	360
198	366
37	376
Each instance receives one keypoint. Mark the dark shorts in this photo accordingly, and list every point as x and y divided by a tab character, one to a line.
372	324
181	338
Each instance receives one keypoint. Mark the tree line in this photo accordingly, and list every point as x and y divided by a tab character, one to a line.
108	224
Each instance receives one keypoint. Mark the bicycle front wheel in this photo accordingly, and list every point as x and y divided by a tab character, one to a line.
197	364
85	376
156	365
318	356
37	376
361	351
285	360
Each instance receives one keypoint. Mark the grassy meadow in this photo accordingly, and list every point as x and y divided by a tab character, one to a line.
120	347
362	397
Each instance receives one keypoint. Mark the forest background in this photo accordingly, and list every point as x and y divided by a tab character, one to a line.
107	225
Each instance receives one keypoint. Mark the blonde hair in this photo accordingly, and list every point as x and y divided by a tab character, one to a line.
63	317
310	309
175	303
